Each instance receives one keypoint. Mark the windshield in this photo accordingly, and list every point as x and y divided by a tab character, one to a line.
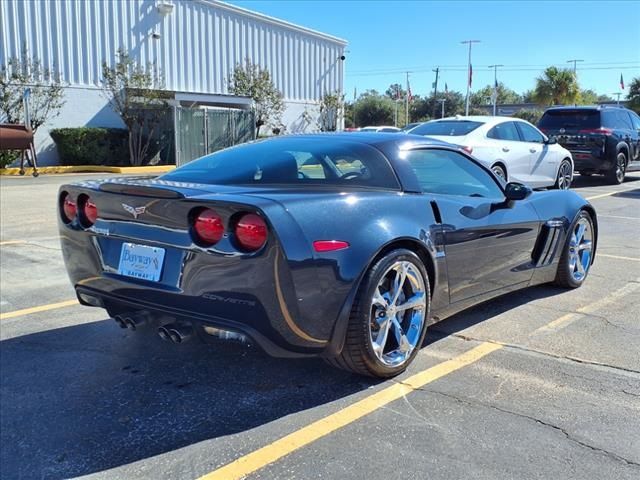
570	119
292	161
446	128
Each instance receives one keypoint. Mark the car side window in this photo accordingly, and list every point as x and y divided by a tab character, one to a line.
504	131
610	119
529	133
624	120
635	120
451	173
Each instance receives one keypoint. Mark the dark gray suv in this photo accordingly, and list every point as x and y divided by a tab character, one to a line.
602	139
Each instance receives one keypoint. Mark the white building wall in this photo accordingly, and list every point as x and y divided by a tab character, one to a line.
200	43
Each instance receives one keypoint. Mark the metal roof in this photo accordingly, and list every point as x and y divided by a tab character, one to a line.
272	20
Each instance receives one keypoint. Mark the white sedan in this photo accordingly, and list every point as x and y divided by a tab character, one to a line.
512	148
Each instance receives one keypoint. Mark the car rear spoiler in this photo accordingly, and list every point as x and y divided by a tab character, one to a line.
140	190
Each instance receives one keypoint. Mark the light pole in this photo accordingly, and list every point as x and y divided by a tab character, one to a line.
575	61
435	89
442	100
575	69
470	42
406	103
618	95
495	87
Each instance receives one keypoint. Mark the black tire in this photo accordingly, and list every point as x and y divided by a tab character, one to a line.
564	276
615	175
357	355
564	176
499	171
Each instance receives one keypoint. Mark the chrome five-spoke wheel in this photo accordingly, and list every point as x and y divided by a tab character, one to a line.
388	318
578	251
398	312
580	247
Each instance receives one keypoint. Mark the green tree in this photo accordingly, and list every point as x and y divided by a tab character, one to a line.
135	93
331	107
531	116
556	86
484	96
395	91
47	95
528	96
253	81
589	97
424	108
372	108
634	95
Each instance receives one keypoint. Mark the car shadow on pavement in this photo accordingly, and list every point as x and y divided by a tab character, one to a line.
581	181
92	397
484	311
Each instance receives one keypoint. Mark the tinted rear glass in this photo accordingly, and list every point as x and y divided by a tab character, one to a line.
570	119
292	161
447	128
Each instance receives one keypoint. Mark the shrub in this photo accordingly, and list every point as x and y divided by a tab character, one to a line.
91	146
7	157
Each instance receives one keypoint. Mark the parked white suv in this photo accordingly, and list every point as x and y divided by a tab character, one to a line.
514	149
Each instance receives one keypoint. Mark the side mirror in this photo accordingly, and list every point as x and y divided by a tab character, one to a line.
516	191
552	140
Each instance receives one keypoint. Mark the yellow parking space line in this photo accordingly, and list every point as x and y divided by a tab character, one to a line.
282	447
619	216
606	255
565	320
13	242
41	308
608	194
264	456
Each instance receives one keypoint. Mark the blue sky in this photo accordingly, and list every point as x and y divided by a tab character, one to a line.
524	36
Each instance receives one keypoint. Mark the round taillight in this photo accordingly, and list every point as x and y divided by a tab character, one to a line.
89	212
208	227
69	208
251	232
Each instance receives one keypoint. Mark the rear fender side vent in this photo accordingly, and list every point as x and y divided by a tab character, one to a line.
436	212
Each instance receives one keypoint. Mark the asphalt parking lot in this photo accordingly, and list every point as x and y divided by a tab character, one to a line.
542	383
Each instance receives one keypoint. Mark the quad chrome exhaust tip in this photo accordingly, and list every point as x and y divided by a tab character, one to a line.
132	321
175	333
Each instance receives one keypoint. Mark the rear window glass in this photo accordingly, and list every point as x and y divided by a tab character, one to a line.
570	119
292	161
447	128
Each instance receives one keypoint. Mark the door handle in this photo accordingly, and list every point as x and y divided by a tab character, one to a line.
532	150
505	149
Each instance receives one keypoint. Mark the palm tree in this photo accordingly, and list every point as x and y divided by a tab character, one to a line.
556	86
634	94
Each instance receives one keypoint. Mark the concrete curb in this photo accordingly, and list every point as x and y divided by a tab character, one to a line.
90	169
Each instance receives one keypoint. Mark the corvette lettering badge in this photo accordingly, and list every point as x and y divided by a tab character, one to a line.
135	211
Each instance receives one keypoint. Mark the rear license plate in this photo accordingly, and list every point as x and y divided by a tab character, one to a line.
141	261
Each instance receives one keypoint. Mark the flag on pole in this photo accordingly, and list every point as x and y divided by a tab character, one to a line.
470	74
355	93
621	82
446	89
409	96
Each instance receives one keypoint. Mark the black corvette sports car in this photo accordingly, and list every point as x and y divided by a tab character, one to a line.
340	245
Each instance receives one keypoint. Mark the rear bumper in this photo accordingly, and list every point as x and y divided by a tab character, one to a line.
590	160
161	315
281	309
